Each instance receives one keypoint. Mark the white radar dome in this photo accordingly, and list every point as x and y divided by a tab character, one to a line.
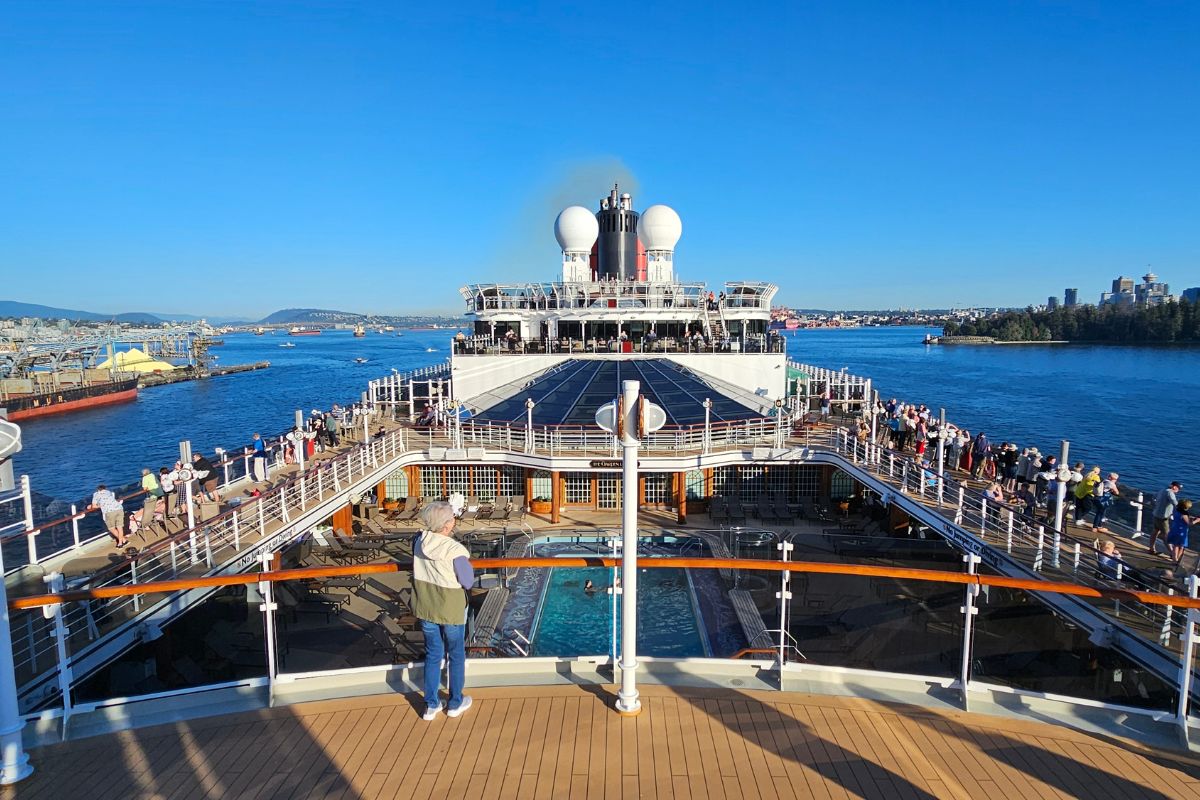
659	228
576	229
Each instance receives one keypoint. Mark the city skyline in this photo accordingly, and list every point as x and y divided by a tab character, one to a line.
234	160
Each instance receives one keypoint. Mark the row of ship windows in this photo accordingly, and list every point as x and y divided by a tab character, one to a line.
796	482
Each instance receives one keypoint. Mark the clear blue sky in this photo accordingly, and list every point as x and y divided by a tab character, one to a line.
239	157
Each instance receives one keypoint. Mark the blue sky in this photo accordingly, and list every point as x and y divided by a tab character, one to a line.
239	157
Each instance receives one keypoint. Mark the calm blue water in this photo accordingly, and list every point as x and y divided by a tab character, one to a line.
1134	410
66	456
573	623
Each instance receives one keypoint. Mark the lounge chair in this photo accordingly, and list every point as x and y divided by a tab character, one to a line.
516	509
411	506
298	604
499	509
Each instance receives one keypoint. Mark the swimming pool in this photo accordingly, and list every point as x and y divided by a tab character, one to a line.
571	622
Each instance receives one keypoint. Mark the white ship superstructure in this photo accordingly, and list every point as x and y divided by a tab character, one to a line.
619	298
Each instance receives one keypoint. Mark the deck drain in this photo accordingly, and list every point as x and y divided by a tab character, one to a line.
736	682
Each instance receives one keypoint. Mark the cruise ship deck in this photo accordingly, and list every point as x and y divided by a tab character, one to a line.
558	742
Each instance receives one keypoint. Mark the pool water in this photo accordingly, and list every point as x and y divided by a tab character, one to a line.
571	622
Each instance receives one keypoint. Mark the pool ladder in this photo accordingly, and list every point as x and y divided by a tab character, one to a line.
515	639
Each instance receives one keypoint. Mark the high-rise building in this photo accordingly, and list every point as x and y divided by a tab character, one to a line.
1192	295
1070	298
1051	303
1121	294
1151	291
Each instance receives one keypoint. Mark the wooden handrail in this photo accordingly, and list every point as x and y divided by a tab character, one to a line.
929	575
751	651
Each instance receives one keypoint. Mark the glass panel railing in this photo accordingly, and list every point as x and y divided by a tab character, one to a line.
218	641
1021	642
342	622
877	623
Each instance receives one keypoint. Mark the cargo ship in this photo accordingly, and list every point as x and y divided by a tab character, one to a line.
360	331
63	399
300	330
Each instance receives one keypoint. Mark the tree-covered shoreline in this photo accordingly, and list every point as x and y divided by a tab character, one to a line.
1169	323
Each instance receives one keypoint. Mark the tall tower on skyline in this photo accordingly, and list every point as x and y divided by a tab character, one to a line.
1070	297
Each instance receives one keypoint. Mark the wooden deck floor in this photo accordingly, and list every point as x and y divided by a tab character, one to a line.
559	742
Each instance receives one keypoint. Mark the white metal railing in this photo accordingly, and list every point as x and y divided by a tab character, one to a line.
1021	537
200	550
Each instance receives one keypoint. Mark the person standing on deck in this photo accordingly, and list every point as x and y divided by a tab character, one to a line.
441	575
112	511
1084	491
825	405
1164	508
1109	492
258	459
206	477
183	476
980	449
332	428
153	492
166	482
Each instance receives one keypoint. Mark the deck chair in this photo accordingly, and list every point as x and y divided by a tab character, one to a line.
516	509
337	553
737	514
783	511
499	509
371	529
368	549
482	513
765	510
297	605
411	506
468	516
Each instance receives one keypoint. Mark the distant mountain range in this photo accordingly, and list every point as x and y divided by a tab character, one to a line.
11	308
287	316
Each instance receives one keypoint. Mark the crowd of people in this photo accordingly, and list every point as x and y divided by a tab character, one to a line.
164	499
1026	480
166	490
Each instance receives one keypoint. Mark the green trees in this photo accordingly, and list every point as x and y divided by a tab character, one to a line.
1162	324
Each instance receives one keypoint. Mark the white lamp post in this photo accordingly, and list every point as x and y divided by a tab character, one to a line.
529	404
707	424
624	419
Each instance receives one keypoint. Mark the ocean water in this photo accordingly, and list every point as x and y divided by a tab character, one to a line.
1130	409
1133	410
65	456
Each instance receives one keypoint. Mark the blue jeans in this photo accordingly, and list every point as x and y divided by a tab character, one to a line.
444	641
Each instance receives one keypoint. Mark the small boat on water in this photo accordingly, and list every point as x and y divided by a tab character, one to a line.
360	360
288	344
430	349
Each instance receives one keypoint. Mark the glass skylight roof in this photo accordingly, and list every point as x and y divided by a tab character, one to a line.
570	394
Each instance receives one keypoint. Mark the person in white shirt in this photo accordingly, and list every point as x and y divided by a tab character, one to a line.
112	511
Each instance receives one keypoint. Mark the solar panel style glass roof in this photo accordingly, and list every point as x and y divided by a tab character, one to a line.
570	394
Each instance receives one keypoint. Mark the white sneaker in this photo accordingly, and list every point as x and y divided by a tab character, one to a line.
462	707
431	713
1137	535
